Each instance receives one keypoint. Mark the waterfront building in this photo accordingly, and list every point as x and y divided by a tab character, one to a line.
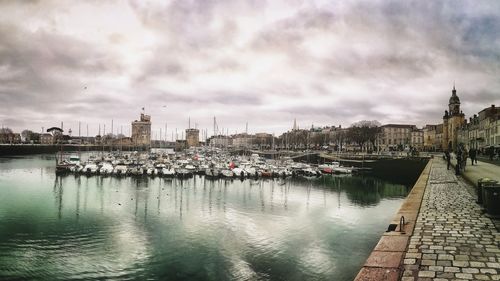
439	137
243	140
483	130
264	140
121	141
468	133
488	132
220	141
430	136
141	131
453	119
46	139
417	139
398	137
192	137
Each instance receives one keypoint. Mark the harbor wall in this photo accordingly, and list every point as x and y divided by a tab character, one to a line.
399	170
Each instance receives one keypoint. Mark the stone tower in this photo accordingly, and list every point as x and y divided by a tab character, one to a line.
192	137
453	118
141	131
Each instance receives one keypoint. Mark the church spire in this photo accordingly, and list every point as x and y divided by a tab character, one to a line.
454	91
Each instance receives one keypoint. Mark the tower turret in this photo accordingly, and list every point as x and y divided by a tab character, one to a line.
454	103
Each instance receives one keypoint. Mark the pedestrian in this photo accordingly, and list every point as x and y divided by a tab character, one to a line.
472	155
448	158
465	154
459	162
492	153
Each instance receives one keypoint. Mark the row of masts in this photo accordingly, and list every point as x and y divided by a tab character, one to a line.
162	136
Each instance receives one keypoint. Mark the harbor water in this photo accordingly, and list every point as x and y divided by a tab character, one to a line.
76	227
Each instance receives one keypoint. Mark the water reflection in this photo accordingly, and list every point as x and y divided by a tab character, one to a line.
218	195
58	195
79	227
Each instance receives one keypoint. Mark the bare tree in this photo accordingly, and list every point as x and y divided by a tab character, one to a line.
6	135
363	132
5	131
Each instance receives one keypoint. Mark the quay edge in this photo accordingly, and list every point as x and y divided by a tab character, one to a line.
385	261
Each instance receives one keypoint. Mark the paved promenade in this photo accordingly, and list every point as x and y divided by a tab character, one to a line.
481	170
452	239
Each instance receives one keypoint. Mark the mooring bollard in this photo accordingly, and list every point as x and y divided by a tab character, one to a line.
402	224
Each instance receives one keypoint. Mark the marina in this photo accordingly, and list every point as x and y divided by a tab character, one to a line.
64	226
212	163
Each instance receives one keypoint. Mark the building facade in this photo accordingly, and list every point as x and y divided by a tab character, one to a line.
243	140
417	139
430	132
482	131
141	131
220	141
46	139
398	137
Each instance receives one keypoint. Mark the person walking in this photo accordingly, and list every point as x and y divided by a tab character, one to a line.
459	162
472	155
448	158
465	154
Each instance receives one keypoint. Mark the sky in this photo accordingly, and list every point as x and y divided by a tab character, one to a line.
262	62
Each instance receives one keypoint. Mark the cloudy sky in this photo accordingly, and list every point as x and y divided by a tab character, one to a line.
265	62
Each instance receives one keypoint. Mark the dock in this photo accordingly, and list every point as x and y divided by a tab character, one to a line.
451	238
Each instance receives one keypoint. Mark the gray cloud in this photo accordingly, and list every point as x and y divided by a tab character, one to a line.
265	62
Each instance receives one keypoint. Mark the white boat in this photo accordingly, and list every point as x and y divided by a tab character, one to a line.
183	173
76	168
168	172
342	170
120	170
136	171
190	168
150	171
251	171
310	172
239	172
74	160
106	168
90	168
284	172
329	166
212	172
227	173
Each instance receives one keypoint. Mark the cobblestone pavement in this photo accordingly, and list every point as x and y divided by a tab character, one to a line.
452	239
